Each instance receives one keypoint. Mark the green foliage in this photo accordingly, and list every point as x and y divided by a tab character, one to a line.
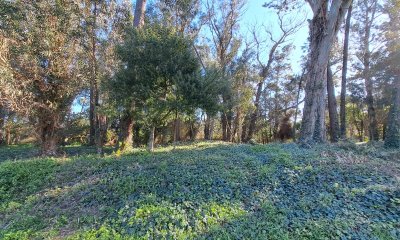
201	191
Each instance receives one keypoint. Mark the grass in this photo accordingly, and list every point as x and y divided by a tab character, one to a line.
204	190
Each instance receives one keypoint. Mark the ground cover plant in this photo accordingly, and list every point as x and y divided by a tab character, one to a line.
204	190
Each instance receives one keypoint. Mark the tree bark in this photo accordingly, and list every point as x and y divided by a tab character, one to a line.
344	74
392	139
323	29
93	81
373	125
140	9
207	128
2	124
101	131
150	144
332	107
126	133
224	126
254	115
48	130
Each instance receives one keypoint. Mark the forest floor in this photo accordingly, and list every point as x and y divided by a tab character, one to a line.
204	190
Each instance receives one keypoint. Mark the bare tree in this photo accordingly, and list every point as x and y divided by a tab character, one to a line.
288	27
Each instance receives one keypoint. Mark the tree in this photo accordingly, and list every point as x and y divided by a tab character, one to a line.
43	62
344	74
223	19
332	106
392	36
327	17
366	17
288	26
157	63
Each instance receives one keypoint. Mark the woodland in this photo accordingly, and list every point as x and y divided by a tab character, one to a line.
178	119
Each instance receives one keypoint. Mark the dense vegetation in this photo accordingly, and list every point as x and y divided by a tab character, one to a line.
203	190
246	135
131	73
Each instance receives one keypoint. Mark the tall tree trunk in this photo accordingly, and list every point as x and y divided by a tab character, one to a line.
224	126
140	9
297	104
207	128
48	129
323	29
101	131
254	115
150	144
332	107
2	124
373	125
126	132
344	74
93	80
392	139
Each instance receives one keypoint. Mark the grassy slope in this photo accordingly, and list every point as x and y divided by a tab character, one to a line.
203	191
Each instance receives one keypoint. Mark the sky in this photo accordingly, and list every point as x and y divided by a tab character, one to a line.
255	14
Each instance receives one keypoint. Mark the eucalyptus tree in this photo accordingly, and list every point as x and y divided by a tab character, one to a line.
366	14
42	60
392	36
344	73
223	20
326	21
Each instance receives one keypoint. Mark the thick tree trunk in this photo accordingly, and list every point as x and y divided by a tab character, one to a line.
392	139
332	107
323	29
126	133
49	138
344	75
140	10
150	144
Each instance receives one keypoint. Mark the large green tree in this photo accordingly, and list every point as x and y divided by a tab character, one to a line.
42	64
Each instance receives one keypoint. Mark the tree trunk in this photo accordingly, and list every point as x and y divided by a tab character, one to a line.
2	124
392	139
323	29
207	128
373	126
101	131
150	144
297	105
332	107
254	115
140	10
48	129
93	81
126	132
344	74
224	126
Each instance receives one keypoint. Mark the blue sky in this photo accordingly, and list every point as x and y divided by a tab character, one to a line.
256	14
